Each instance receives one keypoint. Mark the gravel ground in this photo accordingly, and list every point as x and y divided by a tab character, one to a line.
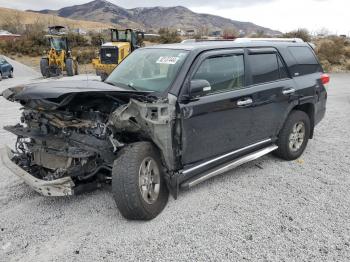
266	210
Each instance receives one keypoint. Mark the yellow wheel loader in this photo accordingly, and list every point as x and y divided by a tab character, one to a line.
111	54
59	57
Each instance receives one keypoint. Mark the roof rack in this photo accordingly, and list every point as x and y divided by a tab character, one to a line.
289	40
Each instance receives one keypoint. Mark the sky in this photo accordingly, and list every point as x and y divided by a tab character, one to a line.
283	15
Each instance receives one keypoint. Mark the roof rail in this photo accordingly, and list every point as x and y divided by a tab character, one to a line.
290	40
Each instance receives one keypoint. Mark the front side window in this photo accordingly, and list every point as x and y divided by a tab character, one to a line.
224	73
148	69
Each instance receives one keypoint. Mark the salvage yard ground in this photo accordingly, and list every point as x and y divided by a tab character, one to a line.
267	210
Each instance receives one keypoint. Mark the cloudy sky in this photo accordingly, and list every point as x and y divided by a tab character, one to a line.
283	15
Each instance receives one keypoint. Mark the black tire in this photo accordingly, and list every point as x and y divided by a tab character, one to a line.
0	76
103	77
11	74
126	183
70	67
44	67
285	150
76	68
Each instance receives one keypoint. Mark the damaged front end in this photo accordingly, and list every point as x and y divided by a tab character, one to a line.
67	141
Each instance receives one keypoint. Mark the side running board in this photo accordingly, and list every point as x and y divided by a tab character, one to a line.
227	167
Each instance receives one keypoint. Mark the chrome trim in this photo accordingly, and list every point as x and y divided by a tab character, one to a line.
288	91
232	165
224	156
245	102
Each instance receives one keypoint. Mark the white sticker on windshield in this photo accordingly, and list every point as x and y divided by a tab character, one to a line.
169	60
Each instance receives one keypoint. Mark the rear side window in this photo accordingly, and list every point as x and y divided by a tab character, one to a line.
264	68
306	61
224	73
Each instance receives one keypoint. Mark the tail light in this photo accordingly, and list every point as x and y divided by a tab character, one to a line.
325	79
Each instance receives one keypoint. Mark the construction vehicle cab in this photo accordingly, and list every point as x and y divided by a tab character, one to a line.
59	57
112	53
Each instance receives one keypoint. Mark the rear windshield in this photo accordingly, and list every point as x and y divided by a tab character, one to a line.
148	69
305	59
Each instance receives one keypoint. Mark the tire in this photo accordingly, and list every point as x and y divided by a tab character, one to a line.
103	77
0	76
44	67
294	136
127	180
11	74
70	67
76	68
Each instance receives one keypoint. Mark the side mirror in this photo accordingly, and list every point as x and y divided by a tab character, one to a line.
199	86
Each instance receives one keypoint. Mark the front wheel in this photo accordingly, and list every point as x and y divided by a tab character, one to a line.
294	136
0	76
11	74
138	182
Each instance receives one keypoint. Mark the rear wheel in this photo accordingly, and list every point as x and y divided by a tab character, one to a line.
70	67
44	67
76	68
138	182
294	136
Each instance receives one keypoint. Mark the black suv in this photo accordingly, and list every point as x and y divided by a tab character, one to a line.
168	117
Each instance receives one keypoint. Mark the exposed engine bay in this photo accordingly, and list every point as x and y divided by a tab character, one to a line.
79	134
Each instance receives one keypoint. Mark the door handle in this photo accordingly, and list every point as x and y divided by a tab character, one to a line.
244	102
288	91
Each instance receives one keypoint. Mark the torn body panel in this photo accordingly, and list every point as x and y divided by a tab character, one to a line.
154	121
78	135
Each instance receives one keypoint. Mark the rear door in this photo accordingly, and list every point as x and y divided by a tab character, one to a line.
271	89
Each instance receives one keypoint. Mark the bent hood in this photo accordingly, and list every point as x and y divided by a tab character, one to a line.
56	89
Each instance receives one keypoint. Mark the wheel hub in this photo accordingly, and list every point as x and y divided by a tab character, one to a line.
297	137
149	180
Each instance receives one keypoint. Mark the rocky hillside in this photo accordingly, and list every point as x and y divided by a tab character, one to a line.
27	18
152	18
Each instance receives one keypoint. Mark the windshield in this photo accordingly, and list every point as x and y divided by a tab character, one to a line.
58	43
148	69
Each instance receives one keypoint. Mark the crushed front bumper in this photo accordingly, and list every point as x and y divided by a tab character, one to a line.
59	187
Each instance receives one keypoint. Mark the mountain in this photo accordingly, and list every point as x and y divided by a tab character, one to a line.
8	15
152	17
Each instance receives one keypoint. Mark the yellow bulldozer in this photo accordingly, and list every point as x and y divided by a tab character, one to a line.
112	53
59	57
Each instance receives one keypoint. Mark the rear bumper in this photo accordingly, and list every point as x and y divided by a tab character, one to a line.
59	187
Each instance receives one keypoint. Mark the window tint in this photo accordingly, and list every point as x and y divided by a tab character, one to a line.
222	72
306	61
264	68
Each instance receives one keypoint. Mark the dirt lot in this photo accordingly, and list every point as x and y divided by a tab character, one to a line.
267	210
34	63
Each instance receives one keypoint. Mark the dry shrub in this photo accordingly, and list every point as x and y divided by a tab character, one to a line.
84	56
327	67
347	65
332	49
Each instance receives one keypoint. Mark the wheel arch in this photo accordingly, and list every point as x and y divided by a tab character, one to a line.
309	109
